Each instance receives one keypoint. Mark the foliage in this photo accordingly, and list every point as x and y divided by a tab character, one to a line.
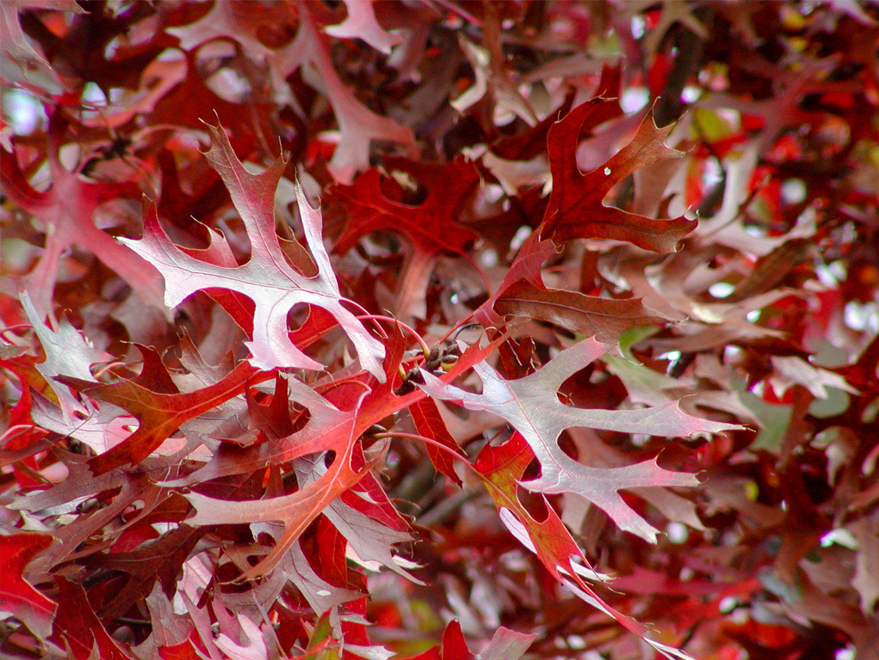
525	329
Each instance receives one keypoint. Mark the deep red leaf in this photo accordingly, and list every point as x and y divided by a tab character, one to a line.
431	228
576	208
430	424
454	646
78	627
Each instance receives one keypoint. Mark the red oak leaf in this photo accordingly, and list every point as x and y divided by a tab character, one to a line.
592	316
362	24
295	511
236	21
523	294
22	64
431	228
501	467
531	405
78	627
17	596
532	142
154	562
454	644
157	404
505	644
67	212
575	206
67	354
358	125
362	514
429	423
267	278
328	428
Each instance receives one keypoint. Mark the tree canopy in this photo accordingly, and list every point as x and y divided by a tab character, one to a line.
439	329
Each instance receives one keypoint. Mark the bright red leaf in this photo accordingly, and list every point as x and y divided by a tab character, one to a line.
17	596
158	406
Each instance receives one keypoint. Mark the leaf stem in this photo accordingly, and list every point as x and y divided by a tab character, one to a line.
100	372
17	431
429	441
378	317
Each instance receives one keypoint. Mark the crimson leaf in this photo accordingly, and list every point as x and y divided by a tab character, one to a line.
575	206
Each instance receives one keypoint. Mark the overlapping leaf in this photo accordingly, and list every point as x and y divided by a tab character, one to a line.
576	208
295	486
160	408
17	596
267	278
431	227
67	211
328	429
531	406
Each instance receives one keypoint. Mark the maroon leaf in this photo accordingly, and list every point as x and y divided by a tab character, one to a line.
501	468
576	207
298	510
602	318
78	627
257	407
155	561
431	227
528	144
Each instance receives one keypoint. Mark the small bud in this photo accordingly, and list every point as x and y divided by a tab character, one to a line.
448	362
405	388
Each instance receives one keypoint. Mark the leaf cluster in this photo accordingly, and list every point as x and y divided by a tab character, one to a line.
439	330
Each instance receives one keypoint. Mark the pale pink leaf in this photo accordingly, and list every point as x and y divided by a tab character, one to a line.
532	407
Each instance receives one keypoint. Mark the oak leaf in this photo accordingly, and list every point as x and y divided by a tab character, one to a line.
575	207
431	228
267	278
531	406
79	628
153	398
67	212
17	595
602	318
